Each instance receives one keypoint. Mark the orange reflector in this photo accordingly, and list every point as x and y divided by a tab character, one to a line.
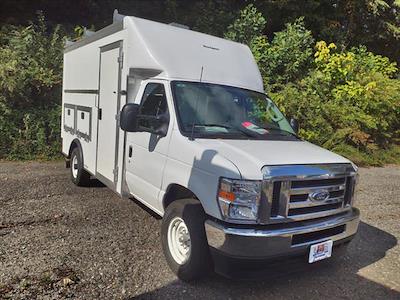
227	195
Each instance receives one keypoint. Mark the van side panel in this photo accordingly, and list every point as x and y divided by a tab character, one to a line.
80	121
80	98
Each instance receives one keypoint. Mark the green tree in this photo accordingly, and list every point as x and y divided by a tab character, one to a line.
31	68
212	16
288	57
373	23
350	98
30	90
345	100
249	25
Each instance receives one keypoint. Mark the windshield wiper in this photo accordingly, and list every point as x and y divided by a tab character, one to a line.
275	128
211	125
282	130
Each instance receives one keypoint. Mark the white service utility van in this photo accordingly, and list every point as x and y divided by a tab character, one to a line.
179	120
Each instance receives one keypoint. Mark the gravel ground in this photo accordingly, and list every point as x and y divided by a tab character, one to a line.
61	241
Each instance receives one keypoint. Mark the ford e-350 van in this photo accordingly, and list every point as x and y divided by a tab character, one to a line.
179	120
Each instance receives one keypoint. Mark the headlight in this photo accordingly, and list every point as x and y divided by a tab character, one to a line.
239	199
354	189
354	182
355	167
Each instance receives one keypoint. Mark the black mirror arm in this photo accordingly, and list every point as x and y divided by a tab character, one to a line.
161	131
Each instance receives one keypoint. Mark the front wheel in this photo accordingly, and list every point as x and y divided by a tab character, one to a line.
184	240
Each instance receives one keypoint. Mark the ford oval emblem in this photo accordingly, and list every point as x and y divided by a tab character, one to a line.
319	196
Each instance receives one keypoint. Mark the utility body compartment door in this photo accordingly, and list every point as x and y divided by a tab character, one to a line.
108	108
146	153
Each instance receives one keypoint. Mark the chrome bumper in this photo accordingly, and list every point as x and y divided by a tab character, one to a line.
280	240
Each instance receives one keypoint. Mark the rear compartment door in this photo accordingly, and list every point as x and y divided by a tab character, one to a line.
108	108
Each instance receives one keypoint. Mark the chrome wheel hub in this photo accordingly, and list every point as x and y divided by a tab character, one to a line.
74	166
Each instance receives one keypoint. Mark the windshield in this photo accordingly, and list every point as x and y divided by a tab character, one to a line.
218	111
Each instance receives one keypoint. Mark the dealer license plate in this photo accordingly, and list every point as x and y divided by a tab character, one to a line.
320	251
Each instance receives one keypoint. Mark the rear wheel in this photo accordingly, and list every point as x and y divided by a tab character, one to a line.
184	240
79	175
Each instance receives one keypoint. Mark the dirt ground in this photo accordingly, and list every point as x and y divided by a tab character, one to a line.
61	241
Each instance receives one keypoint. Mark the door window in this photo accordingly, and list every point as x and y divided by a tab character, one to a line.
154	105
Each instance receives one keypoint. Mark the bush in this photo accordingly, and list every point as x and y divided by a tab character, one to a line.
30	91
287	58
249	25
346	101
30	134
349	98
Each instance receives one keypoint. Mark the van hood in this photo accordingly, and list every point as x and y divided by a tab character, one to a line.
250	156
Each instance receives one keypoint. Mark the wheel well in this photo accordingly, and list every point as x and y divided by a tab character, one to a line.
175	192
74	144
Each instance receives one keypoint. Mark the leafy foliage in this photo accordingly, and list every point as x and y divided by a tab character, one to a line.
249	25
211	16
30	81
287	57
345	100
30	134
373	23
32	65
348	99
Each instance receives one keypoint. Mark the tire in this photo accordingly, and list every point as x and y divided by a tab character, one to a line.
79	175
197	263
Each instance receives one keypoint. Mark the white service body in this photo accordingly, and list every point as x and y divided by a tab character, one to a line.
92	73
127	56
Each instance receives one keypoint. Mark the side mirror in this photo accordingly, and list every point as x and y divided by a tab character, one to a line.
128	117
295	125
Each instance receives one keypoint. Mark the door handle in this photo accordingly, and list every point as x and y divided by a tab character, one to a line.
100	113
130	152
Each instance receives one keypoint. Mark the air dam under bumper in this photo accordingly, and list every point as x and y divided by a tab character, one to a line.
280	240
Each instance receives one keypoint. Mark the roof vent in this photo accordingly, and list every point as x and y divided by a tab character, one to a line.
117	17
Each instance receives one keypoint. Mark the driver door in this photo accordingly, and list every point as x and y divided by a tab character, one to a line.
146	152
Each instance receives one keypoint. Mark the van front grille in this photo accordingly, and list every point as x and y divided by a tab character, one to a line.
304	204
275	199
318	182
313	209
296	197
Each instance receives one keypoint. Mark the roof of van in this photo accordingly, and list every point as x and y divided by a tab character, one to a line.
177	53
